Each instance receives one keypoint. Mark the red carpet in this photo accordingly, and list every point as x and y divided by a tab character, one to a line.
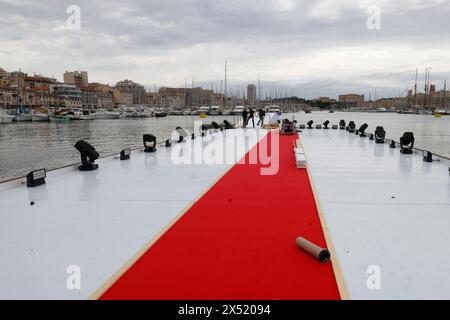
238	242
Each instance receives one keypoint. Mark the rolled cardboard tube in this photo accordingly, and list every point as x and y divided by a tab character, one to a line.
323	255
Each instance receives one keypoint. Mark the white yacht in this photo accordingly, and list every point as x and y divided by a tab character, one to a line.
23	115
237	111
87	115
215	111
176	112
5	117
274	109
103	114
40	117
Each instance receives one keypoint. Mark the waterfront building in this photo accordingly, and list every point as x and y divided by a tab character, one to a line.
327	100
69	96
89	97
7	97
122	97
432	100
4	74
352	100
178	97
251	94
78	78
105	95
152	99
137	90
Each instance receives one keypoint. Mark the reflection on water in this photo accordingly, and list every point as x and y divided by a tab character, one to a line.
28	146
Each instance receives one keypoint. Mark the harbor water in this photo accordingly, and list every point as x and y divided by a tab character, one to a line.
28	146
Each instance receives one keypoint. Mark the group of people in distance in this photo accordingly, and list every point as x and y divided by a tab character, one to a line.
248	115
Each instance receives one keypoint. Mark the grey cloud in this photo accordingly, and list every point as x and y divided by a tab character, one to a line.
167	41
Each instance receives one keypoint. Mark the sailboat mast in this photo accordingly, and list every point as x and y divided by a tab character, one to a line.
426	82
225	89
415	88
444	98
259	90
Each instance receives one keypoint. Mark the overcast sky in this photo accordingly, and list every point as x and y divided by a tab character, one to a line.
318	48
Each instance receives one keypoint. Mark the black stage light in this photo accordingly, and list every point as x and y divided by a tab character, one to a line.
149	143
88	156
228	125
342	125
310	123
362	130
204	128
380	135
351	127
371	136
302	127
168	143
182	134
36	178
193	136
392	145
325	124
125	154
407	143
334	127
427	156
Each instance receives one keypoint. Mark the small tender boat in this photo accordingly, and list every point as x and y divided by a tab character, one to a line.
160	114
203	111
60	118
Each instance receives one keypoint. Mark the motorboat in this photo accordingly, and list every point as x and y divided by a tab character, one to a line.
103	114
5	117
60	117
86	115
40	117
23	115
274	109
214	111
237	111
176	112
160	113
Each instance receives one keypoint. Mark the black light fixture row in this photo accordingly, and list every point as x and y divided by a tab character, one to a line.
149	143
36	178
88	156
125	154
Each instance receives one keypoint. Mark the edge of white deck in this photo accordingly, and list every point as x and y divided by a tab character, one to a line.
405	236
96	220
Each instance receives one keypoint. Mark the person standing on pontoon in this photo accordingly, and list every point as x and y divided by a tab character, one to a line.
244	118
251	116
261	115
